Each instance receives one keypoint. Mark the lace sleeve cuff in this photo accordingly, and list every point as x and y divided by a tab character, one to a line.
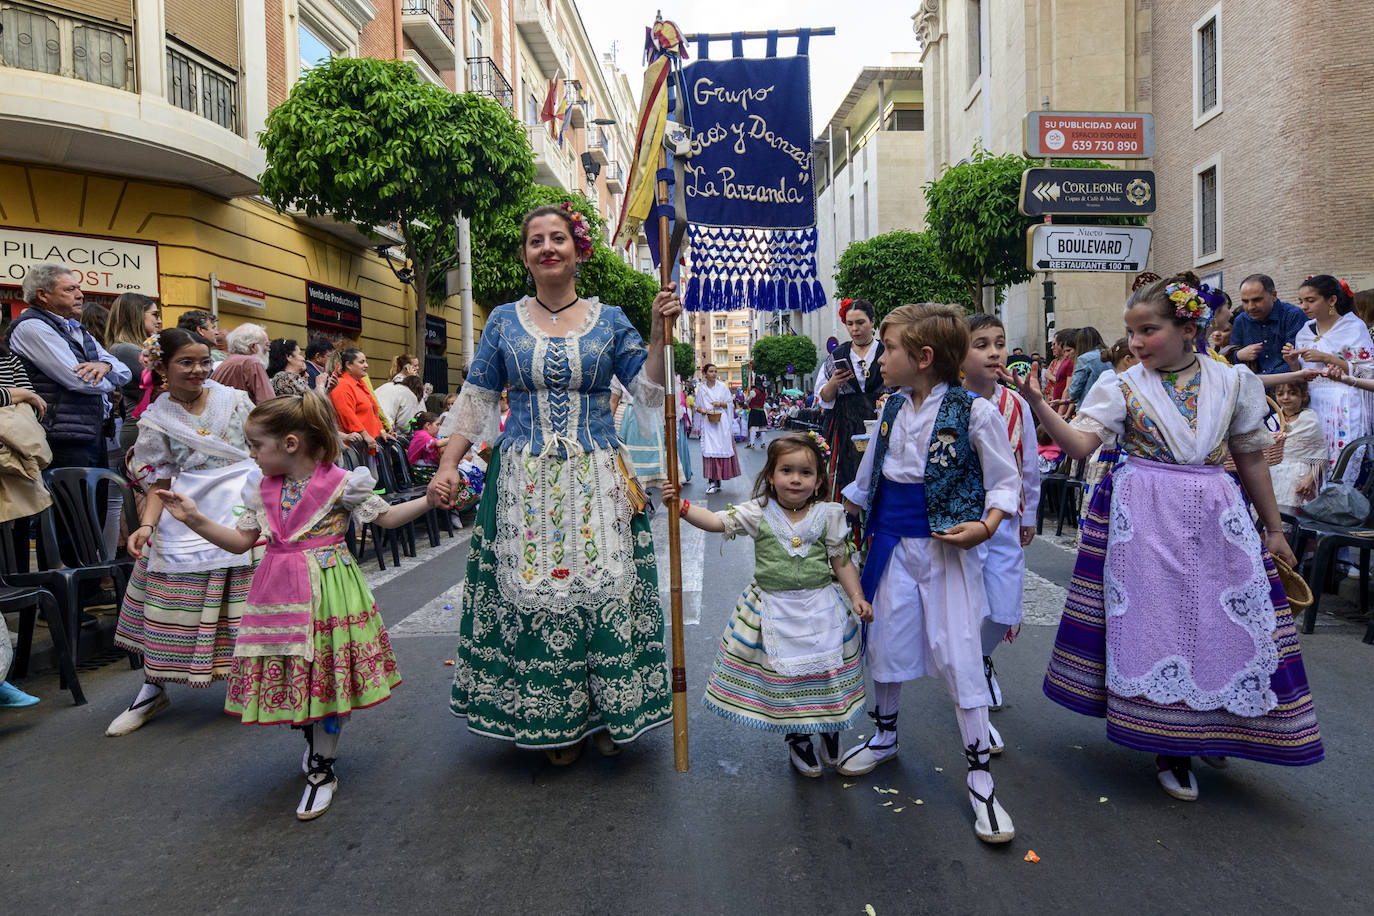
1090	425
476	415
370	509
1256	441
647	396
249	521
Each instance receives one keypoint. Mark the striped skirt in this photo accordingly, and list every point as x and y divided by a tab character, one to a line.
744	688
1286	735
184	624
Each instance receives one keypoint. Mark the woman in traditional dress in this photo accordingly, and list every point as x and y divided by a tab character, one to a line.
847	388
715	408
1335	336
561	630
1177	628
182	607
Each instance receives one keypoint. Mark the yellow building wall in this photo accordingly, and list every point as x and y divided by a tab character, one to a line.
241	241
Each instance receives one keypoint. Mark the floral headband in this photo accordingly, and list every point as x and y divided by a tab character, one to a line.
844	308
820	443
152	349
582	231
1189	303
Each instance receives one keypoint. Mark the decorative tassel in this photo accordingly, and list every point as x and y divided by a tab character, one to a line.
806	296
818	298
793	297
692	301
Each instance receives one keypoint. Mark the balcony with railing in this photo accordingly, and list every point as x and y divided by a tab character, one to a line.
598	145
47	42
615	177
485	78
429	26
197	85
551	164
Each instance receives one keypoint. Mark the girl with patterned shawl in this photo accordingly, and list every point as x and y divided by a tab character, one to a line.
561	631
1176	628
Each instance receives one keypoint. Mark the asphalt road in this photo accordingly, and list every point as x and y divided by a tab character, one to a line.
195	813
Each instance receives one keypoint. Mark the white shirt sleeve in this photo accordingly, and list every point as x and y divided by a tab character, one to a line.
1103	410
857	491
38	342
1030	463
1248	432
740	519
823	376
988	435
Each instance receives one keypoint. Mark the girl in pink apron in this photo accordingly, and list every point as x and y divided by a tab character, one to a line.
311	644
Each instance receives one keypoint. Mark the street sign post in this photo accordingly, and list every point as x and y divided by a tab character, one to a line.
1087	192
1089	135
1111	249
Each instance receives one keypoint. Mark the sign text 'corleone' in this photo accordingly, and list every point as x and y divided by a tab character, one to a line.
1122	249
1089	135
1087	192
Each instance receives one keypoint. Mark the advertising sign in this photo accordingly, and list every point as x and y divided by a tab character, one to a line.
245	296
1112	249
336	308
1089	135
106	266
1087	192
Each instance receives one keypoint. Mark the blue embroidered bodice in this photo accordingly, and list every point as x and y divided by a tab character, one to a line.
560	387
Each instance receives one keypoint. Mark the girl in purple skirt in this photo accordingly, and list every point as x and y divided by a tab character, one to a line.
1176	629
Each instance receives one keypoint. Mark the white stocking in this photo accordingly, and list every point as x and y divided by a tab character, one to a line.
327	745
147	692
886	700
973	727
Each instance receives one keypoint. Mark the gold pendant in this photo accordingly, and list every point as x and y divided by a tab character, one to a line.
796	542
203	431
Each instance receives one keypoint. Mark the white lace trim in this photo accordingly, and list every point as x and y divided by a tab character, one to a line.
814	643
647	397
476	415
797	539
1256	441
370	509
1090	425
563	536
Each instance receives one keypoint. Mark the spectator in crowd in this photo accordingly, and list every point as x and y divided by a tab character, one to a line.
316	357
68	368
354	401
133	319
1089	364
286	367
93	319
205	326
1264	326
1364	306
1219	330
1065	358
245	368
20	495
399	398
404	366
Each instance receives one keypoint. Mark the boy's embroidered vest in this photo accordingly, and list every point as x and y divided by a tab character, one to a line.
1010	409
954	475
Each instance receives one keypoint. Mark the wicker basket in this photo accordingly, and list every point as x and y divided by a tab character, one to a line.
1273	454
860	443
1298	591
714	416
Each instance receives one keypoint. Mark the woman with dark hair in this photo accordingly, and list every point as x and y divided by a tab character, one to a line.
847	389
561	631
1335	336
715	405
758	417
354	401
286	367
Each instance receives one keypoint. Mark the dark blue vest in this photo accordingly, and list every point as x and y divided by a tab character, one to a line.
954	476
72	416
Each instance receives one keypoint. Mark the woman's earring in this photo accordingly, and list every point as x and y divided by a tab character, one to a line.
529	279
577	271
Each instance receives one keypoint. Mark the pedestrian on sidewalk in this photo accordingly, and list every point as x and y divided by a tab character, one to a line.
715	408
758	417
936	483
561	626
1177	629
182	607
1004	555
311	647
789	660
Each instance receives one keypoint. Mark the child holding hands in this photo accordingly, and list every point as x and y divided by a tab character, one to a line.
789	660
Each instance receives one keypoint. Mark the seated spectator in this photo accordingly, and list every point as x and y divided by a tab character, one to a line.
205	326
245	368
286	367
316	358
1264	326
399	399
404	366
354	402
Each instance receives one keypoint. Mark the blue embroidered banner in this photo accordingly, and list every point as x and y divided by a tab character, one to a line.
750	198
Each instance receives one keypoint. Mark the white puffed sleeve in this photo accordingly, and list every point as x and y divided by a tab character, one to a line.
1001	480
742	519
359	496
836	530
476	415
1248	432
153	459
1103	410
254	517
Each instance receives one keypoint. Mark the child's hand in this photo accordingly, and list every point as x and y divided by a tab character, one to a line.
1335	373
1279	549
182	508
851	508
669	492
138	540
862	609
1028	384
964	535
1027	535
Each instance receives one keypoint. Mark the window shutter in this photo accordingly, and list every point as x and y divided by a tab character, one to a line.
121	11
208	26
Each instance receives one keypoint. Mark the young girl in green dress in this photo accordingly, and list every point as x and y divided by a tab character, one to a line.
311	645
789	660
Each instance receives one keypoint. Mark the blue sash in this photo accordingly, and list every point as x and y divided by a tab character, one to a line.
898	510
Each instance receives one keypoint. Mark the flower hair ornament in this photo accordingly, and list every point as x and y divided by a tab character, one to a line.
1188	302
820	443
582	231
844	308
152	350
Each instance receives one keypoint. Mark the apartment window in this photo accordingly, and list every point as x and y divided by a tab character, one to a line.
905	118
1207	212
313	50
977	41
1207	83
719	324
475	44
739	357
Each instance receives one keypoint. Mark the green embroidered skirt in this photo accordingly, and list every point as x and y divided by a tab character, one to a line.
546	677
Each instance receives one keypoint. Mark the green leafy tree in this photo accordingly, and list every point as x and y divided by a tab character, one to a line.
372	144
772	355
972	211
896	268
684	359
498	272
